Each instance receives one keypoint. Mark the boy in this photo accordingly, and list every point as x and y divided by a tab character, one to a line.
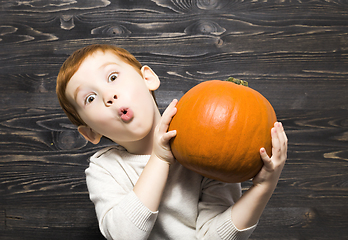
139	190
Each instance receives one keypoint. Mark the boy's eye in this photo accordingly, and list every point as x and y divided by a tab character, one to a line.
90	98
113	77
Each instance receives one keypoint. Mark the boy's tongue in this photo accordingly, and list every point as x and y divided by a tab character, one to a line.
126	114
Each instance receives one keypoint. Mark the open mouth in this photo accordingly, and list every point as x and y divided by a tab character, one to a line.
126	114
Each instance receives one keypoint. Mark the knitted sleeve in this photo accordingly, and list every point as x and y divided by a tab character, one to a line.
214	219
121	215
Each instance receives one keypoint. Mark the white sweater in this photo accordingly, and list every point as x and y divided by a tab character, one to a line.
192	206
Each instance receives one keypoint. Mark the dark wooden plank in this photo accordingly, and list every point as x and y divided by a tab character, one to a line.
301	223
283	92
303	58
52	234
43	218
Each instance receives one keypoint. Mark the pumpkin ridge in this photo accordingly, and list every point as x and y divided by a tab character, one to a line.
254	140
240	150
229	144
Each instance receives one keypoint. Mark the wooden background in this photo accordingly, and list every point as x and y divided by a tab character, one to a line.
294	52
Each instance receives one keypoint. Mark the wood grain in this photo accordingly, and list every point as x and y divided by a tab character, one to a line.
295	53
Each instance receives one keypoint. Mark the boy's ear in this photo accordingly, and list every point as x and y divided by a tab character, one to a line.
151	79
89	134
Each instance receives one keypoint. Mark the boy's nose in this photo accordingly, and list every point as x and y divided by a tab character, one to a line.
110	100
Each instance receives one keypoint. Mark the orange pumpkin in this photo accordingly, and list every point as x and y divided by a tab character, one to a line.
221	127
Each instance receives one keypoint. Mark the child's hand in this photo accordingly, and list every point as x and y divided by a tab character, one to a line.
151	183
273	166
248	209
161	147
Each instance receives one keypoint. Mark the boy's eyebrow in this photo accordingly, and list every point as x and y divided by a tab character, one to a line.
107	64
76	92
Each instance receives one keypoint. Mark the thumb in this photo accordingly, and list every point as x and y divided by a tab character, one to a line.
265	158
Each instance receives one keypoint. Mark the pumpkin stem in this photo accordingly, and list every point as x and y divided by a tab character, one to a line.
237	81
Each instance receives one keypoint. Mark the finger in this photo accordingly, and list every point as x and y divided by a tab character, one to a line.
170	107
263	153
280	131
167	116
283	140
168	135
275	140
265	158
283	135
170	111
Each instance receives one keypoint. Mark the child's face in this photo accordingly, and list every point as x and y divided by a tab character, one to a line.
113	98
